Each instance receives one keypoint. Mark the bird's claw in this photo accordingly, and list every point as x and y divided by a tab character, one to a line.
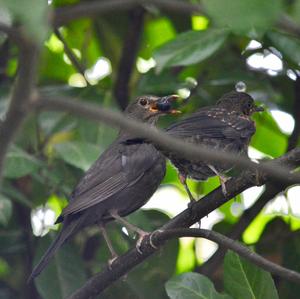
111	261
141	239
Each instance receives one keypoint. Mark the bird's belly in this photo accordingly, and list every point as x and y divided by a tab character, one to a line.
199	169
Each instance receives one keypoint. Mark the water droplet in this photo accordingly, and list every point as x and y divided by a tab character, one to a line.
240	86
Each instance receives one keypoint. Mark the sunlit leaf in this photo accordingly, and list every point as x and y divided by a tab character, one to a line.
189	48
268	137
192	286
243	279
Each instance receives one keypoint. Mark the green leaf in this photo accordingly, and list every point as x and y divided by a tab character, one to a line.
192	286
245	280
268	138
32	13
5	209
78	154
19	163
189	48
243	16
64	274
288	45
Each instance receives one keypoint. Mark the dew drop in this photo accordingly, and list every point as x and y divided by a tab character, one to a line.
240	86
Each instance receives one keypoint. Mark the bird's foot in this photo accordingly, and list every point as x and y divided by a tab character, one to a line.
223	180
182	179
111	261
141	239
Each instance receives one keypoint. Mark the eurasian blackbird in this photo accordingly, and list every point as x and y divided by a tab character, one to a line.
224	127
121	181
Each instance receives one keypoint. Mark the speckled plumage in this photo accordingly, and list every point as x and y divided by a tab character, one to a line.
227	126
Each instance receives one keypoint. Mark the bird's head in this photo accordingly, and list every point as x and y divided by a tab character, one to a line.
240	102
148	108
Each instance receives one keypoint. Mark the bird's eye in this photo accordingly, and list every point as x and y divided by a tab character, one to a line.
143	102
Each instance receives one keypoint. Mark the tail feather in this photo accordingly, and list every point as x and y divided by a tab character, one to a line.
65	233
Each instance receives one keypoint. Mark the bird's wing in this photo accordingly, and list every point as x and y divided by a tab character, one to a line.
120	167
212	123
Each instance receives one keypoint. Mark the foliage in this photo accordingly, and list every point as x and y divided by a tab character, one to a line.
203	55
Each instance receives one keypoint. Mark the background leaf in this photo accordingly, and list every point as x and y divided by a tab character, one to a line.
243	279
192	286
64	273
189	48
18	163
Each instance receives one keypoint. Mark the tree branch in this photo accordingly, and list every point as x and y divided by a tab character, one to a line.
200	209
22	92
296	114
69	52
211	265
276	172
90	9
228	243
128	58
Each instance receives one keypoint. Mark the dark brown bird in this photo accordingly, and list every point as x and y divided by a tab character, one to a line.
121	181
225	127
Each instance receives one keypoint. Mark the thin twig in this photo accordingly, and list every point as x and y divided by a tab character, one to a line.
278	173
188	217
69	52
228	243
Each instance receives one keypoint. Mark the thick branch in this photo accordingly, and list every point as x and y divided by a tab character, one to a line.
22	92
296	114
128	58
277	172
200	209
90	9
228	243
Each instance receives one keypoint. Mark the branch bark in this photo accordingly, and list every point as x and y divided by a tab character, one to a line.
228	243
200	209
22	91
129	55
211	265
278	173
69	52
90	9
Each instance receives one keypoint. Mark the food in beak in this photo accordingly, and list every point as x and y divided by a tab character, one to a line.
164	104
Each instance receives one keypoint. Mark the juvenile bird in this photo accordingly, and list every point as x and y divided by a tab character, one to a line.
225	127
121	181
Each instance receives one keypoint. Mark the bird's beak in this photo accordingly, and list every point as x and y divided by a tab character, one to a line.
164	105
258	109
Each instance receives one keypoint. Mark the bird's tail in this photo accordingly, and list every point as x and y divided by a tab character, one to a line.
67	230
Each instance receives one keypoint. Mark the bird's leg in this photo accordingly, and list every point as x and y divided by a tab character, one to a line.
182	179
223	179
113	253
142	234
